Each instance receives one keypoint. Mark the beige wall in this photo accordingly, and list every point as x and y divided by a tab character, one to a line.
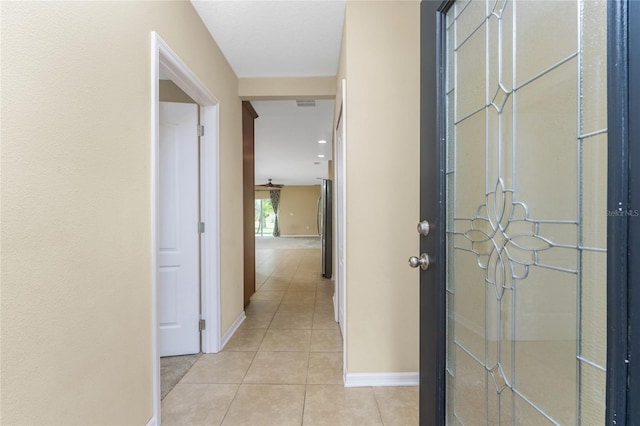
298	210
76	230
380	61
262	194
169	92
270	88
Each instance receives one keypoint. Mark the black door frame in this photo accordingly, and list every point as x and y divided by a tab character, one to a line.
432	208
623	231
623	226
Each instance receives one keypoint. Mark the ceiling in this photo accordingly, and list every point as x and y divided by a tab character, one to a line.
274	38
295	38
286	142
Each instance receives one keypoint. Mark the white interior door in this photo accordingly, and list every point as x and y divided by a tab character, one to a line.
178	248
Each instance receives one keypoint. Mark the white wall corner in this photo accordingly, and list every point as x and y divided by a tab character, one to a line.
153	421
232	330
355	380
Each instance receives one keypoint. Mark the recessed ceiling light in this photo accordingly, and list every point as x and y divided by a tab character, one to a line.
322	141
321	155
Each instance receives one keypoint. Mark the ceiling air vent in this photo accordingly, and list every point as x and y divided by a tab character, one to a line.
306	103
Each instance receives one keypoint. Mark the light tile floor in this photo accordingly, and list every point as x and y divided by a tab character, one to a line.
284	364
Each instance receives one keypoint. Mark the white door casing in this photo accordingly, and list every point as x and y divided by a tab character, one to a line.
340	207
178	245
340	293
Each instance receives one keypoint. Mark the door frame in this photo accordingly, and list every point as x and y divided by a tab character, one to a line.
623	232
340	229
165	63
623	195
432	187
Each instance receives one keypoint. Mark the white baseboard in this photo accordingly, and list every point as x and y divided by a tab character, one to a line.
153	421
355	380
232	330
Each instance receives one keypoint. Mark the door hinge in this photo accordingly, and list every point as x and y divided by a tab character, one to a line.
200	227
200	130
202	325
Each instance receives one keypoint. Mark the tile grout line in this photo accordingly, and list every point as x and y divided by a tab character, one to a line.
279	303
375	397
182	376
226	412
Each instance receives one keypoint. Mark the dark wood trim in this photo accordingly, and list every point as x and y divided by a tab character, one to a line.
249	114
250	109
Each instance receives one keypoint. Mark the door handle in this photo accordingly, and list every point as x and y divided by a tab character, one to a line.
423	261
423	228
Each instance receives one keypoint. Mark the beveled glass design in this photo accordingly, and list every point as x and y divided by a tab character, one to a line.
526	221
498	378
500	98
506	241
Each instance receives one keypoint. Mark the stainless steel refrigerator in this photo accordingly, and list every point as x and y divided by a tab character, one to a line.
325	228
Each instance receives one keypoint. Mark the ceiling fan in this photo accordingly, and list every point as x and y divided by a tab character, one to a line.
271	185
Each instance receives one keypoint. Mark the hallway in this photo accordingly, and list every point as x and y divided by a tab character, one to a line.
284	364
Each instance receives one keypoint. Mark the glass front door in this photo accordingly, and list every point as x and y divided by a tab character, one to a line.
526	221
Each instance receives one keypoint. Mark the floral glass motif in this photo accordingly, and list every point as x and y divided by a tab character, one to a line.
505	240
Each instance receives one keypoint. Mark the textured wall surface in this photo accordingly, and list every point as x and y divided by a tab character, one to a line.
76	217
380	61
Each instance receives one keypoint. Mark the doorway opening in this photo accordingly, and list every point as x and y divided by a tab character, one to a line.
166	65
304	252
292	157
265	217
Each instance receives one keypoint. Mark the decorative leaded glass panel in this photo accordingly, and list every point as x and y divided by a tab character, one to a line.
526	220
